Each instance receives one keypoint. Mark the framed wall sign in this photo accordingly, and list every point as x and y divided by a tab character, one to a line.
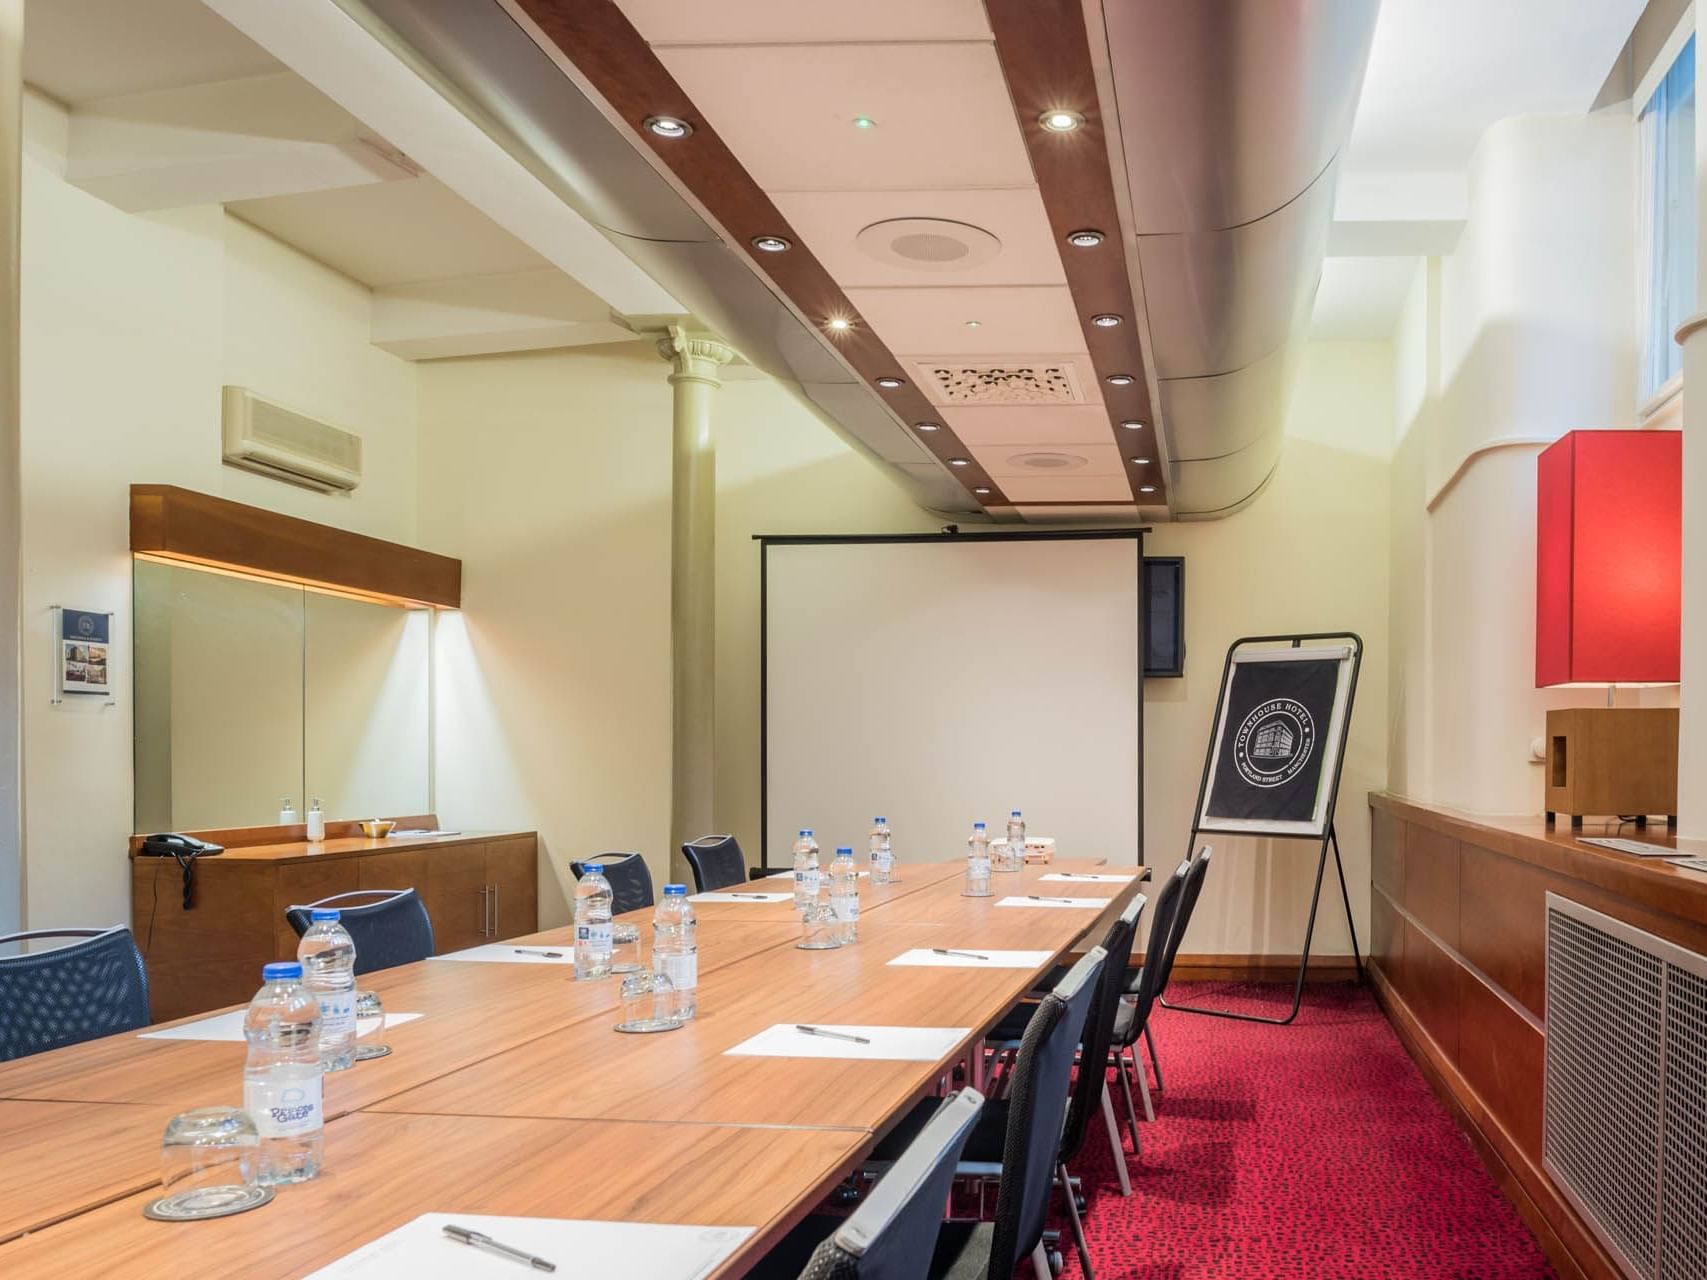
82	656
1274	760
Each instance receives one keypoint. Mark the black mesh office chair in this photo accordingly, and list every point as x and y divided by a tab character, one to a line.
1188	904
392	931
892	1235
716	861
1030	1141
97	986
1133	1016
630	881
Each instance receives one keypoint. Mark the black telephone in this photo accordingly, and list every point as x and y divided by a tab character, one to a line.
186	849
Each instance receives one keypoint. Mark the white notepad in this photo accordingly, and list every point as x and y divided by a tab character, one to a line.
888	1044
743	895
507	953
1641	848
1101	877
229	1027
1051	901
925	958
421	1250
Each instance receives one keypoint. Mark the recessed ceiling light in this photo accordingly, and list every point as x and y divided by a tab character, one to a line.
889	382
1105	321
1142	462
960	462
1085	239
1133	425
864	122
981	491
973	324
1060	121
772	244
838	324
667	126
1146	488
927	426
1119	379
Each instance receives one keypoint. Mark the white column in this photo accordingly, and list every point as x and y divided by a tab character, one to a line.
694	361
1692	693
11	677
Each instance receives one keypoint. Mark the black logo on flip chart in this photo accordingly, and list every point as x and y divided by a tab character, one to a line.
1274	742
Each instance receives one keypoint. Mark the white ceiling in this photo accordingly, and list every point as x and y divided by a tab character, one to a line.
1360	298
79	50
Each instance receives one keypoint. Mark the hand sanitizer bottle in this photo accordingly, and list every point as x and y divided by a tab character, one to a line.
316	822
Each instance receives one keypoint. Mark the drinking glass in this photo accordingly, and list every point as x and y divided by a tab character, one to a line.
625	948
648	1003
370	1026
209	1165
819	928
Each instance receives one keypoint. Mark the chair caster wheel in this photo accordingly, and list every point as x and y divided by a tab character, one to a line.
1056	1261
1081	1204
848	1193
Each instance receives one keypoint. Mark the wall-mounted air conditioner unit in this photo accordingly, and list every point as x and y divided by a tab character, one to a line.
279	442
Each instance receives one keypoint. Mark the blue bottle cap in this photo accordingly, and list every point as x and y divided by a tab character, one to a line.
881	821
322	913
281	971
978	826
806	831
1014	814
670	890
842	848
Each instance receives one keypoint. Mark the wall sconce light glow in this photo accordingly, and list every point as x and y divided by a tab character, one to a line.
1133	425
1085	238
667	127
772	244
1120	379
1108	321
889	383
864	122
1060	121
927	426
960	462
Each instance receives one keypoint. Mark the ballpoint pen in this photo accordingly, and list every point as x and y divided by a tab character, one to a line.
829	1035
534	951
480	1240
970	955
762	897
1038	897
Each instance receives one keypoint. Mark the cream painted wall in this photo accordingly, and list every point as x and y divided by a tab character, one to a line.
1310	554
1526	331
131	324
549	475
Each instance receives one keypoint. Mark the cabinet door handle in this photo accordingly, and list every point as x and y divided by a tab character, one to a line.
485	911
494	911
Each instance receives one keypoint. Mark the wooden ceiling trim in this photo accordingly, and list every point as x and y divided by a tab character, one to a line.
596	37
1045	55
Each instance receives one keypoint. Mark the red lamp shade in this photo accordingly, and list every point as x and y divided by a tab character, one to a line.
1609	577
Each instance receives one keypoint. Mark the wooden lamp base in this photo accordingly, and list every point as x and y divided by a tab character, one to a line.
1614	761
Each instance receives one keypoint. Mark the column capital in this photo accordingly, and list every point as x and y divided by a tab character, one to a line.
694	356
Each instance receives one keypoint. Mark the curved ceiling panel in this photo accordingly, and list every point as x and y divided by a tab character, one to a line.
1229	297
1210	418
1230	108
1209	490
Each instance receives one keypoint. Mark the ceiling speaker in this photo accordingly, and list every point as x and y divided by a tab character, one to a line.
928	244
1046	460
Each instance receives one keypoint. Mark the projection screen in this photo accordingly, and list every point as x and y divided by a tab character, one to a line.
943	679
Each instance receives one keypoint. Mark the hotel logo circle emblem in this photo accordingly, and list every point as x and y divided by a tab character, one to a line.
85	626
1275	741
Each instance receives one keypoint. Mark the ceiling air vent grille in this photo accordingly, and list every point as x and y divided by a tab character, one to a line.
1009	383
1626	1088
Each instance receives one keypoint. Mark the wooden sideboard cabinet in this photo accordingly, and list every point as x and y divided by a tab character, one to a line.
477	887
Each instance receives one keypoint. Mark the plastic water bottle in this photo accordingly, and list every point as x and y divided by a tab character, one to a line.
1016	842
282	1075
328	957
882	853
978	862
805	870
844	895
675	947
592	923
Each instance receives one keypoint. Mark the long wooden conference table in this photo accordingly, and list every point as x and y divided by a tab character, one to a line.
512	1094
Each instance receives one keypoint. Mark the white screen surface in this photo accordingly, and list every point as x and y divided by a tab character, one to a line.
945	681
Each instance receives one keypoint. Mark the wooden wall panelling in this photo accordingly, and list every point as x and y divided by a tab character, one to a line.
1431	882
179	524
1386	937
1387	853
456	896
1503	923
405	869
1432	976
512	869
1503	1057
210	955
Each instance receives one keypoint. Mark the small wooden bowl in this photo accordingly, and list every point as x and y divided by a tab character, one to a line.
377	828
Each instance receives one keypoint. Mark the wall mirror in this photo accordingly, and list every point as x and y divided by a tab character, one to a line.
249	691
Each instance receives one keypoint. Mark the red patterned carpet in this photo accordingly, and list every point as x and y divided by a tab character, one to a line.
1309	1152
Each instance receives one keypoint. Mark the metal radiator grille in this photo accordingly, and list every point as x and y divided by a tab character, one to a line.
1625	1130
1683	1190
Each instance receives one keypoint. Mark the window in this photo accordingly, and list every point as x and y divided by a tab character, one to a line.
1667	227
